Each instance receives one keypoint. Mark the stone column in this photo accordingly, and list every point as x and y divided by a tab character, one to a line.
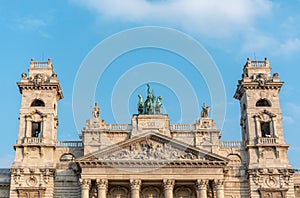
201	187
102	185
135	185
168	187
219	188
85	187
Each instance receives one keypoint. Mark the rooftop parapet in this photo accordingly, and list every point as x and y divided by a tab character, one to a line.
47	64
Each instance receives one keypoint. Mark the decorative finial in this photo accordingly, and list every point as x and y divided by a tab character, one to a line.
49	62
32	62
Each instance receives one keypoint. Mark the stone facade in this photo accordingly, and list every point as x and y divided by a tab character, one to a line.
150	157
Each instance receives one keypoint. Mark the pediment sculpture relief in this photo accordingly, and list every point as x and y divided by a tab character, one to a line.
151	150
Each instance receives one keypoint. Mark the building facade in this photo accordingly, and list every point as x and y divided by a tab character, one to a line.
150	157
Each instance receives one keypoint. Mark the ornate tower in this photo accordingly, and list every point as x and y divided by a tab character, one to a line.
33	169
269	171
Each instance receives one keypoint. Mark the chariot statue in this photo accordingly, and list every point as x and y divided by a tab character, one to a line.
149	107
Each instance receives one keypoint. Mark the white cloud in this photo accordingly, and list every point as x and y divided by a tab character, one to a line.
289	48
212	18
294	109
257	42
29	23
288	119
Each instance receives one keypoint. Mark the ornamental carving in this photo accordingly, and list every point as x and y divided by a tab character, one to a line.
201	184
85	183
169	184
17	174
38	79
135	184
219	183
102	184
150	150
271	178
32	181
46	173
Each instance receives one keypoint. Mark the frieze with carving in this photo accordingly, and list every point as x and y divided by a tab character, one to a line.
271	178
150	150
17	175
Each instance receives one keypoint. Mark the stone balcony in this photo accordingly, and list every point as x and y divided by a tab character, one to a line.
231	144
267	140
33	140
71	144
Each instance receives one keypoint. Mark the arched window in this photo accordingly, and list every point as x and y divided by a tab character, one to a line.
67	157
183	192
37	103
151	192
263	103
118	192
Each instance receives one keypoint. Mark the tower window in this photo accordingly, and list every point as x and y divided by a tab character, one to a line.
263	103
37	103
36	129
265	129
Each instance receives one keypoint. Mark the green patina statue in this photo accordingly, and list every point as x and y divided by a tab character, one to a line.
140	104
158	105
148	106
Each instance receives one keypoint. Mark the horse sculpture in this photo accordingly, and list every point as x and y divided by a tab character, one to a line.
158	105
140	104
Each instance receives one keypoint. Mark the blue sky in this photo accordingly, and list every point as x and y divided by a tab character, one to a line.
229	30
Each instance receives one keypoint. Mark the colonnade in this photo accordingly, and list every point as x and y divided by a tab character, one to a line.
135	188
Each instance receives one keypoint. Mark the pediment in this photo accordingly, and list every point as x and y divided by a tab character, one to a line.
152	147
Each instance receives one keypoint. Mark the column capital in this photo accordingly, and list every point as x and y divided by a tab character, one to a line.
85	183
135	184
201	184
102	184
219	183
169	184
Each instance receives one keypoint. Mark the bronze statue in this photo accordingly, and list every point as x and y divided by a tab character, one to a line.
149	103
148	106
158	105
140	104
205	110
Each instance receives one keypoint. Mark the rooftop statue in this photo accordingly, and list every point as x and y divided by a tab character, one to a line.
158	105
96	111
148	107
140	104
205	111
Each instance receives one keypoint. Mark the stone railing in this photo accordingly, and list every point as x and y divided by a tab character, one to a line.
74	144
40	64
118	127
231	144
258	63
182	127
267	140
33	140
